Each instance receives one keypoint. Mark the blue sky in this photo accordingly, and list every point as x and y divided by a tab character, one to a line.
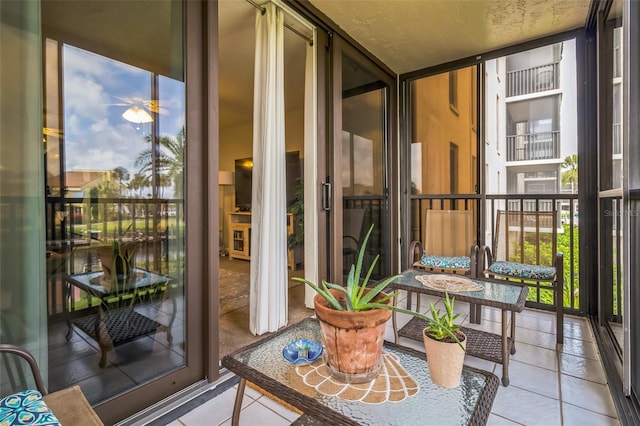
97	137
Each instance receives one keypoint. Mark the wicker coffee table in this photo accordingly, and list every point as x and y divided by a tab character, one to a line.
116	322
263	364
489	346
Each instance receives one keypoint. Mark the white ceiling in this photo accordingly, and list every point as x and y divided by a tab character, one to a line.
409	35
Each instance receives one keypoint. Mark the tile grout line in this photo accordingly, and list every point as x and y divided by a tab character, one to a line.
559	348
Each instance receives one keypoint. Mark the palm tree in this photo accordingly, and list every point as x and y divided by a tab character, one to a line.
570	175
137	183
168	166
121	175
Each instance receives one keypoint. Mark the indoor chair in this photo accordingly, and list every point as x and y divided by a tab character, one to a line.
67	407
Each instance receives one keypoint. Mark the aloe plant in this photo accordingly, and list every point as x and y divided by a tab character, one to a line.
355	298
122	260
441	326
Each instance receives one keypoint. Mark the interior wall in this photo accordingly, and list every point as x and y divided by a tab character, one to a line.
236	142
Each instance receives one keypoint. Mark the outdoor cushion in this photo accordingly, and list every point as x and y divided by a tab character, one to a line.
522	270
26	408
446	262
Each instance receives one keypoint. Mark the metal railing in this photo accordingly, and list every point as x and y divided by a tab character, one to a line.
534	146
75	226
617	138
372	211
533	80
488	207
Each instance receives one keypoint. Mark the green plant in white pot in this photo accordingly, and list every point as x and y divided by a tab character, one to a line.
444	345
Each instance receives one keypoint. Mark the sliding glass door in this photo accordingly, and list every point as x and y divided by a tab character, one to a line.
610	172
361	170
117	202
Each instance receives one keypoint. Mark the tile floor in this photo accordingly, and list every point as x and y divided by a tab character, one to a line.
549	386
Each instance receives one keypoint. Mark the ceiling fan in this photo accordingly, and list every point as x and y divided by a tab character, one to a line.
138	109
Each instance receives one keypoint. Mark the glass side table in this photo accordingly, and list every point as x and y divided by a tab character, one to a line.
508	297
263	364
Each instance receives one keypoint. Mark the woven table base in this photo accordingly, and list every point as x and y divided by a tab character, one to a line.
479	343
122	325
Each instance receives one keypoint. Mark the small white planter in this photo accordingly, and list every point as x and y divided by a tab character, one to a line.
445	360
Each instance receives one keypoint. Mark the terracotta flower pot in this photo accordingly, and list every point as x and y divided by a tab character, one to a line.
352	340
445	360
108	261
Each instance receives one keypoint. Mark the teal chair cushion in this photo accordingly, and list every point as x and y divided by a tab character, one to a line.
26	408
446	262
522	270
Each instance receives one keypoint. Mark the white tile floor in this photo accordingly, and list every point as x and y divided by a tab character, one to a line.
548	387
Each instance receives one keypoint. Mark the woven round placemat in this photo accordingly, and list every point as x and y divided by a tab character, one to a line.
449	283
393	384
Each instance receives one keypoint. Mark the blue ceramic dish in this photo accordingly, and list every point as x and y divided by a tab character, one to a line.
302	351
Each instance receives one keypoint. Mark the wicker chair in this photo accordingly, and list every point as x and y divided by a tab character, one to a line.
69	406
508	259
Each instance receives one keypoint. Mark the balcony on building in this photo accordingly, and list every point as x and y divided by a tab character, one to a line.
534	71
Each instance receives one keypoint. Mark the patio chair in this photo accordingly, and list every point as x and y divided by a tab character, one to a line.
356	224
449	245
36	406
517	256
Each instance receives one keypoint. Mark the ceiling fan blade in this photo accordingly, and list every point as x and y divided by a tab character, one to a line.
154	106
53	132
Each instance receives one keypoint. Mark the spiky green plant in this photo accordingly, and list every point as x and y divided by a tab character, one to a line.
441	326
356	299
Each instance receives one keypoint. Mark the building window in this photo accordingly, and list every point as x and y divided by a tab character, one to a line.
474	101
498	124
453	90
453	168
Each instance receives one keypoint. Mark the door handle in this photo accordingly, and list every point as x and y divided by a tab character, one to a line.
326	196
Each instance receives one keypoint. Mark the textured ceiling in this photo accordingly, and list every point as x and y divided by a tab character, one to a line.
409	35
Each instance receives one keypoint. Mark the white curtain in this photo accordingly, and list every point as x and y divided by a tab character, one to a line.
310	179
268	298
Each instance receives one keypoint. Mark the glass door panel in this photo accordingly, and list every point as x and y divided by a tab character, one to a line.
443	136
362	153
610	177
115	143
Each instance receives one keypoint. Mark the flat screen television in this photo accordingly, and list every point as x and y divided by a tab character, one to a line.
243	175
244	169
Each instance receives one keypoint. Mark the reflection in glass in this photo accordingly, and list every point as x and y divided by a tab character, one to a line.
616	110
116	138
443	109
363	164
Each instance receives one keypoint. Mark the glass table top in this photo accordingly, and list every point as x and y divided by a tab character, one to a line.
440	405
93	282
509	295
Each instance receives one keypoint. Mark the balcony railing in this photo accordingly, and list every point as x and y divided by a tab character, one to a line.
617	138
532	80
530	205
75	226
534	146
487	209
